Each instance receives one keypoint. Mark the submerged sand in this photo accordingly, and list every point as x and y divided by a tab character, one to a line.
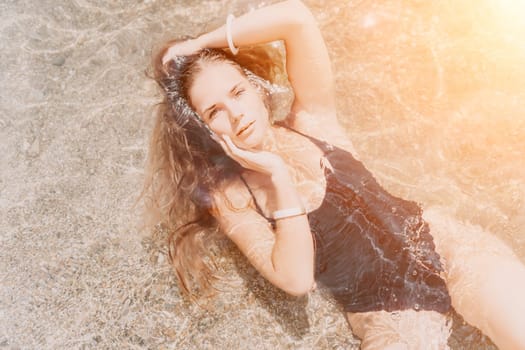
75	115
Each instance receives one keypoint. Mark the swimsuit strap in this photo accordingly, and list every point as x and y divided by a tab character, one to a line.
323	145
257	206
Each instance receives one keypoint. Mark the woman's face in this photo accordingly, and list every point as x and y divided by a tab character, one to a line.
229	104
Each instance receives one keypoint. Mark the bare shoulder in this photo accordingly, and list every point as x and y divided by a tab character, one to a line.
323	127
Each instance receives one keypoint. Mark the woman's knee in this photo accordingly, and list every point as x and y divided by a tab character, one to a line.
491	298
507	319
514	341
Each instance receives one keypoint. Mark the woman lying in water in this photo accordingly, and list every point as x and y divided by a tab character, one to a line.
303	209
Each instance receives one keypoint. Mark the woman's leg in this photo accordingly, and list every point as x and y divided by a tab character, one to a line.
400	330
486	280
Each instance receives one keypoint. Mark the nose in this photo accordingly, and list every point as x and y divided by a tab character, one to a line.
237	116
236	113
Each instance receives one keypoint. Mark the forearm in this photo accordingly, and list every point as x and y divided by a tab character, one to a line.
293	251
270	23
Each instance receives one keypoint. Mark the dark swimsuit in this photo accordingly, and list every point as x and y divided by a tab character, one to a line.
373	250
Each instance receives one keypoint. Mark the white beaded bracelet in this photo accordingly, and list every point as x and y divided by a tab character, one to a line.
232	47
288	213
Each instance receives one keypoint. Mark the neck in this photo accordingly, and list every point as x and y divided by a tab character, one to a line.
280	140
270	141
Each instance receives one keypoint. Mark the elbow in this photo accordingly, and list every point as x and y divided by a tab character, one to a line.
301	14
300	288
297	292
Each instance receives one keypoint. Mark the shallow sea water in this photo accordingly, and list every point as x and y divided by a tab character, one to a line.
431	93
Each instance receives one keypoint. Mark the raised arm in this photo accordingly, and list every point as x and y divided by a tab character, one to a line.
307	61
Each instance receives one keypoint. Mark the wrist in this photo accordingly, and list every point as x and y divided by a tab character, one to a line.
201	41
281	176
288	213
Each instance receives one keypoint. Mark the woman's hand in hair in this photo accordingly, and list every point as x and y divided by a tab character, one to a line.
181	48
261	161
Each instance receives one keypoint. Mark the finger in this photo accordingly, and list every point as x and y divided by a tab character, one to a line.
215	138
167	57
227	144
226	148
233	147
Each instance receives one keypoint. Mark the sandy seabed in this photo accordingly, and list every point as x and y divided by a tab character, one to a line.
75	116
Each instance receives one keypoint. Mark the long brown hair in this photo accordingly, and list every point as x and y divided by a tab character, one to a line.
185	165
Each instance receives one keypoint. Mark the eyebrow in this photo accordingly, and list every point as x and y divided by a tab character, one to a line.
213	105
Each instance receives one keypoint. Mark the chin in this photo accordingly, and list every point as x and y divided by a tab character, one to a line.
253	141
251	144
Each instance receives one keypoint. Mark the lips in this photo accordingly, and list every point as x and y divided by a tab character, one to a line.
244	128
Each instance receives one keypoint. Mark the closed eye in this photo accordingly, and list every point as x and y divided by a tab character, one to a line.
212	113
239	92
